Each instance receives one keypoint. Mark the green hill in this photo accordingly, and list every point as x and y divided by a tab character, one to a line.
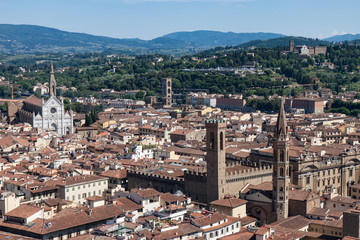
342	38
210	39
284	42
23	39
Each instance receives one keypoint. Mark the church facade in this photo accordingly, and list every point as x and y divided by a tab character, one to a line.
53	117
47	114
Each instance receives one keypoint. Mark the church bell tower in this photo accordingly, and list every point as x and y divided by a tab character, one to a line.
215	159
281	180
52	82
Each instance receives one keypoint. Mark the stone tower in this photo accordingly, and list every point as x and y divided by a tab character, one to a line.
292	46
166	91
215	158
281	178
52	82
351	223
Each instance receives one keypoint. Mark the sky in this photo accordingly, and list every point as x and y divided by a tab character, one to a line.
148	19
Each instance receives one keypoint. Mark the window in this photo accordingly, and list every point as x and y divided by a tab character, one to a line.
307	180
221	141
282	156
212	141
281	172
67	190
73	189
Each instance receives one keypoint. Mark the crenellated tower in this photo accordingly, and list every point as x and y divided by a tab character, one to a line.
166	91
281	178
215	159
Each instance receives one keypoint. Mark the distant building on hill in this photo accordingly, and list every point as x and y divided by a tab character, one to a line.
307	50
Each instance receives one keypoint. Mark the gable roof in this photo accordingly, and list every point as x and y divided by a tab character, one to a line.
232	202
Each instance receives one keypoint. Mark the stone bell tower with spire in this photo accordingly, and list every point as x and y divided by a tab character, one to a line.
281	179
52	82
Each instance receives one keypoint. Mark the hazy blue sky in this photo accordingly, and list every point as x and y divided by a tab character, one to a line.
147	19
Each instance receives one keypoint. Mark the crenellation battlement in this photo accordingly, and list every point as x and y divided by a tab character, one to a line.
251	171
215	123
151	175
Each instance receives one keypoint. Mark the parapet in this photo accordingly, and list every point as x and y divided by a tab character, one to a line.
215	123
250	171
156	176
195	174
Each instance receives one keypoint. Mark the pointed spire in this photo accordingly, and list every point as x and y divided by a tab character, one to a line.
281	127
52	82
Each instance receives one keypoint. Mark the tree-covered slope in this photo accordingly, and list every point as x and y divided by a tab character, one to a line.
216	38
344	37
284	42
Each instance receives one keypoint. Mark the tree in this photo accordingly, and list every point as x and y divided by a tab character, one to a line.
140	95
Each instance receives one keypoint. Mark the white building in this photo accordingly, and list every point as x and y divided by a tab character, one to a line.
49	114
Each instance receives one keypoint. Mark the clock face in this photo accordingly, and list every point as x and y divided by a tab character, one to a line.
52	102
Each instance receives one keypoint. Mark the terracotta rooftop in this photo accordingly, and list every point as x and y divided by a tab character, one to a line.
23	211
230	202
146	193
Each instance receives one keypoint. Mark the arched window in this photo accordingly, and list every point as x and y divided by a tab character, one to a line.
281	189
281	172
212	141
282	156
221	141
53	127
